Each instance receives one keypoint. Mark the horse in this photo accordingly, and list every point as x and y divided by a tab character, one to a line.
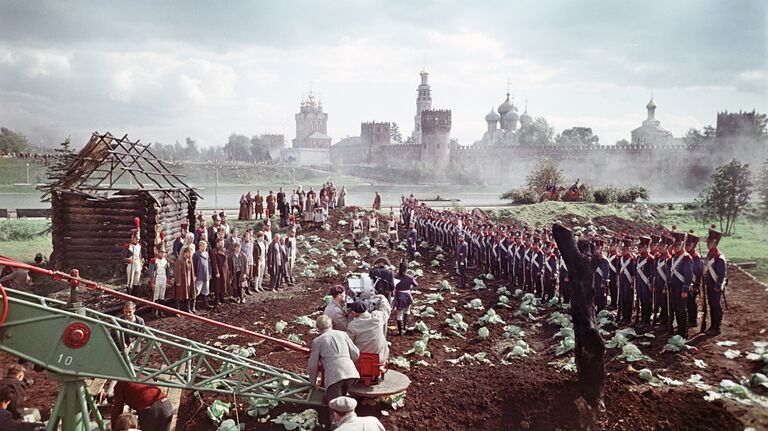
552	195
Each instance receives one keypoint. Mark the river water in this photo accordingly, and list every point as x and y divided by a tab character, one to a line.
359	195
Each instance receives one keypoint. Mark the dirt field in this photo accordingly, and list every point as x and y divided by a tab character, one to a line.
526	394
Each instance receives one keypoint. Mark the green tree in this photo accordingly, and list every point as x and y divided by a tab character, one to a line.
12	142
238	147
62	158
729	193
579	136
538	133
545	171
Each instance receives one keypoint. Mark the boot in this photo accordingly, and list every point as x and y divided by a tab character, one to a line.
206	303
400	327
221	298
405	322
193	306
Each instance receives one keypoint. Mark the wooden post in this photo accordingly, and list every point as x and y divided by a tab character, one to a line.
590	347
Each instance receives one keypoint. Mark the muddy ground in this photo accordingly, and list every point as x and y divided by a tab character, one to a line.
528	393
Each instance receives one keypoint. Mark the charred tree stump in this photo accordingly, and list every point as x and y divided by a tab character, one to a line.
590	347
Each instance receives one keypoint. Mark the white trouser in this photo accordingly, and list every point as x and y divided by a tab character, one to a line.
201	287
134	275
401	311
260	277
159	292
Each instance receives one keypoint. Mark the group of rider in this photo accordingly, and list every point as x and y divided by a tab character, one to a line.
649	274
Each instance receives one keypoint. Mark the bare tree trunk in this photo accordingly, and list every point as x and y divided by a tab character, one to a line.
590	347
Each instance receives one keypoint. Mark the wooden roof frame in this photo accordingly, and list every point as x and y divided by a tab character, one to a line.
105	159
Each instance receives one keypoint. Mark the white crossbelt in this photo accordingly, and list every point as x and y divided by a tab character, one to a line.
674	270
660	270
610	263
625	269
600	272
641	273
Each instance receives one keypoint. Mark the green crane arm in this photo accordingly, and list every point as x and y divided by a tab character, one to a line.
80	343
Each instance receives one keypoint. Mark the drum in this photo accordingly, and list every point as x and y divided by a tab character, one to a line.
393	235
357	234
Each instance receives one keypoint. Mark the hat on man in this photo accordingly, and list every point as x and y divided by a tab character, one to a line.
692	239
185	225
358	307
678	237
645	241
335	290
343	404
714	234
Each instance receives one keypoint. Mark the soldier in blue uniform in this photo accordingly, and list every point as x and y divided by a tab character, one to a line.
529	252
461	259
698	271
626	280
714	279
613	272
644	281
600	279
663	260
551	264
520	263
681	276
537	267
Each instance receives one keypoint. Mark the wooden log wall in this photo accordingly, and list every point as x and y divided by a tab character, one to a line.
93	232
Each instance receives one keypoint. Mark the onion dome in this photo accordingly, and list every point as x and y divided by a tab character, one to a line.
511	116
526	117
492	116
506	106
651	104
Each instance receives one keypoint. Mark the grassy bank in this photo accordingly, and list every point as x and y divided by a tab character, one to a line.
22	239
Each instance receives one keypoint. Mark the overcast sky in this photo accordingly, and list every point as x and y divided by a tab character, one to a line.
161	71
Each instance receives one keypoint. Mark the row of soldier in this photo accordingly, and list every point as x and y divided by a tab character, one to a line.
648	275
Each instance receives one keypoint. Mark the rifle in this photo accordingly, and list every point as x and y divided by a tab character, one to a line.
618	298
637	296
669	307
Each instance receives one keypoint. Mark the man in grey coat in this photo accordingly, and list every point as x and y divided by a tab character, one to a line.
337	353
368	329
335	308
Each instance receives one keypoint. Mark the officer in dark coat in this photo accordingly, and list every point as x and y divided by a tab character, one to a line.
385	277
461	259
411	242
715	279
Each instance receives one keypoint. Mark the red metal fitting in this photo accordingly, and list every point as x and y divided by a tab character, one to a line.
75	274
76	335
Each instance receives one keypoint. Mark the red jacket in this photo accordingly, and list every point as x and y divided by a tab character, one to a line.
138	396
